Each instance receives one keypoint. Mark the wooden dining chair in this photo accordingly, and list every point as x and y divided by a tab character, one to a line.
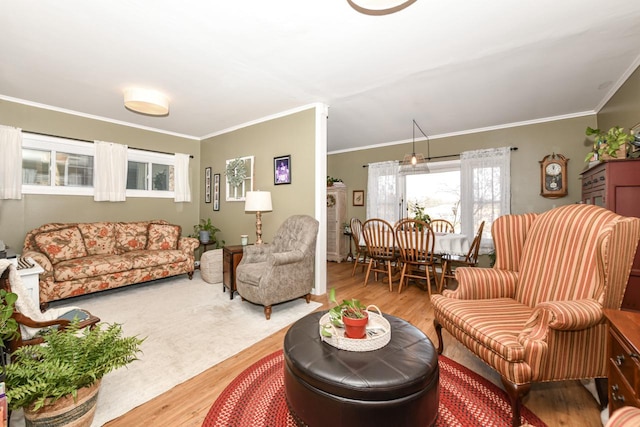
361	249
380	239
441	226
450	261
416	240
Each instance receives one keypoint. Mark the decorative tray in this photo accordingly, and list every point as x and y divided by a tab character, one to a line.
378	333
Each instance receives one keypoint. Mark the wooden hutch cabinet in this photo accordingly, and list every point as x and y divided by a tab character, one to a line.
615	185
336	216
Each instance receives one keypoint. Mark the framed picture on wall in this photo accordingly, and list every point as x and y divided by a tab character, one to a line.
216	192
358	197
207	185
282	170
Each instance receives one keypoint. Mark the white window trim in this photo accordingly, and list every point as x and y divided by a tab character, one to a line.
57	144
142	156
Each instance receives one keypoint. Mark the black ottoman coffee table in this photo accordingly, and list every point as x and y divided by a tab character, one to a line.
396	385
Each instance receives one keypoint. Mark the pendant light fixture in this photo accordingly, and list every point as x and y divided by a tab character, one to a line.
414	158
379	7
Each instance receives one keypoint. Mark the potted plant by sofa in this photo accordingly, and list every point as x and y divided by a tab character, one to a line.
66	370
350	314
8	325
611	144
206	232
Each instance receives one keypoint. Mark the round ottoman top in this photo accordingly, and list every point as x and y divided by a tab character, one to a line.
407	365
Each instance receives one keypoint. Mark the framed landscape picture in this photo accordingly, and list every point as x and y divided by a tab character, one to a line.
282	170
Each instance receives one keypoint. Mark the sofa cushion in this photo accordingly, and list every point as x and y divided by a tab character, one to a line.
144	259
163	236
91	266
99	237
131	236
61	245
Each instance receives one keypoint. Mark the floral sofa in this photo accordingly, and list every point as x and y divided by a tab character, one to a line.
81	258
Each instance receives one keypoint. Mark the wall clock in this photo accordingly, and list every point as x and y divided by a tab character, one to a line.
553	178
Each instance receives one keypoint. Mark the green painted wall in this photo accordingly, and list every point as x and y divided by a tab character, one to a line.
289	135
17	217
623	109
534	141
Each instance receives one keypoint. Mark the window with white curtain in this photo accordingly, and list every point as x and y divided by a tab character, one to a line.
55	165
436	189
466	192
385	191
486	190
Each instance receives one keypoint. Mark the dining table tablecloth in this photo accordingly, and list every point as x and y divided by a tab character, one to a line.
447	243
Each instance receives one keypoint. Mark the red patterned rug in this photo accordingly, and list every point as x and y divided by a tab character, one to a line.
257	398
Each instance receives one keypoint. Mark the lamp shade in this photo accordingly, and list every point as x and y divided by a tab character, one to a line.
257	201
146	101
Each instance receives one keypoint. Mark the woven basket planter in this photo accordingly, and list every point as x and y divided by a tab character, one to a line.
66	411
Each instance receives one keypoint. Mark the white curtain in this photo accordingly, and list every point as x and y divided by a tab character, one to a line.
385	191
485	185
10	163
182	191
110	177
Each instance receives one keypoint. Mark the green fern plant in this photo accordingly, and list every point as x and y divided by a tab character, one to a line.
67	361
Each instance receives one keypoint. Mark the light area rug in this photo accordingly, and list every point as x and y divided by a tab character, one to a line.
189	325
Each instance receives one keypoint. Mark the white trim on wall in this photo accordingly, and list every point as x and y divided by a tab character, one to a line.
322	114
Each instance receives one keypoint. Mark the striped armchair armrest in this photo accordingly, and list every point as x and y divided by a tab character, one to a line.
483	283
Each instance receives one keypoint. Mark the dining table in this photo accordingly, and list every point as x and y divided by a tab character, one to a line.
444	244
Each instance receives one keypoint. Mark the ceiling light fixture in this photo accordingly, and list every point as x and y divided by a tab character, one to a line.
414	158
146	101
379	7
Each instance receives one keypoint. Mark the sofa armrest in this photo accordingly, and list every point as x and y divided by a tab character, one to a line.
483	283
282	258
188	244
41	259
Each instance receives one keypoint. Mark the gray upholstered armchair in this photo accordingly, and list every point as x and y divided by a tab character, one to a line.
283	270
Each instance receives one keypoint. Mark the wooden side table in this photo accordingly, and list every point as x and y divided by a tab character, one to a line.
624	358
232	255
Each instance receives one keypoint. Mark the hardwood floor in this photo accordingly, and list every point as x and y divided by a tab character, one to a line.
557	404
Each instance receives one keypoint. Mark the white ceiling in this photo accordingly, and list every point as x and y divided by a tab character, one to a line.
453	66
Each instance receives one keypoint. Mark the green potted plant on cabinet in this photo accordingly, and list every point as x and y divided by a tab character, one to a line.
611	144
65	371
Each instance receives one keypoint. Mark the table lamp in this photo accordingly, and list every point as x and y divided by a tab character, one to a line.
258	202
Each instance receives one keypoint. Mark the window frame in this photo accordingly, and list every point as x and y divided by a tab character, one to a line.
54	144
151	158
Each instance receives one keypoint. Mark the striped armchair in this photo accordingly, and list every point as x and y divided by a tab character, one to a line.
537	314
